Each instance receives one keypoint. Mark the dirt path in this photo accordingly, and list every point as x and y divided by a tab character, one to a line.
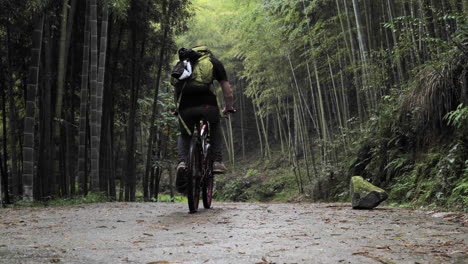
230	233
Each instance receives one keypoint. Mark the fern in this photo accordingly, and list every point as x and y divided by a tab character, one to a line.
459	117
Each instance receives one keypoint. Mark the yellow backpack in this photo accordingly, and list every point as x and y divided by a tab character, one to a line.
202	70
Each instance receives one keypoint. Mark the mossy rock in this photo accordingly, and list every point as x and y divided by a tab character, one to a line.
364	194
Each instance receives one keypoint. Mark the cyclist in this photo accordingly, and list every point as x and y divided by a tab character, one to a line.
195	98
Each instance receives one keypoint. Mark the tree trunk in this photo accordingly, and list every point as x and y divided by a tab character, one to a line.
4	154
323	121
339	13
155	172
58	157
350	32
154	111
360	31
241	98
109	112
15	179
29	119
100	84
395	40
1	181
71	17
135	31
61	71
45	178
258	131
82	151
94	176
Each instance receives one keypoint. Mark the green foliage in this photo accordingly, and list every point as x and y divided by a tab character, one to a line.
459	117
266	182
90	198
119	8
167	198
234	189
416	177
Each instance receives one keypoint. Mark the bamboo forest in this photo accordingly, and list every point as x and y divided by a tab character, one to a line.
324	90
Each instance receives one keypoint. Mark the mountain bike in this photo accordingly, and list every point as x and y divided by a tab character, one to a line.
199	170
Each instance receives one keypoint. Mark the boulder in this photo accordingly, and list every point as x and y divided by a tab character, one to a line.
364	194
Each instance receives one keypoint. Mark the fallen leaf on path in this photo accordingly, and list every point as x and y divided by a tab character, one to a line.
279	250
383	247
140	221
138	241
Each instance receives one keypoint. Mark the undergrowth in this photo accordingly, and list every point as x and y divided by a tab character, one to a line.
259	181
76	200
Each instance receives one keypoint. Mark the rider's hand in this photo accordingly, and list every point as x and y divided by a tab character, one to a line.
228	110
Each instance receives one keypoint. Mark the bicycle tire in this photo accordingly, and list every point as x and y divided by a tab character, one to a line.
207	192
193	176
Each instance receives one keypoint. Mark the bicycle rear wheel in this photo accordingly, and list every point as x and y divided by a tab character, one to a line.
194	175
208	186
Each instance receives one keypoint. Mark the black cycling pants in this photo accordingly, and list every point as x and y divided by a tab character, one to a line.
192	115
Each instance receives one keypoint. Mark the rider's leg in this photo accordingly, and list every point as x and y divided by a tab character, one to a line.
216	144
212	114
189	116
183	145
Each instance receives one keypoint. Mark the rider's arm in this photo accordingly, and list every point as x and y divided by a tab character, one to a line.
227	92
221	76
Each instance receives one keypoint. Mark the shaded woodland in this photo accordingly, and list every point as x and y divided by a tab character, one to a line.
326	89
81	82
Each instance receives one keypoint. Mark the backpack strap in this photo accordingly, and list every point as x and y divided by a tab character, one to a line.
179	116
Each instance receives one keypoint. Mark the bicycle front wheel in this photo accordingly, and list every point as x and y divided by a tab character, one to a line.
194	175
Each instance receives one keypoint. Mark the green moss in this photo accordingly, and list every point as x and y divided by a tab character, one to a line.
363	187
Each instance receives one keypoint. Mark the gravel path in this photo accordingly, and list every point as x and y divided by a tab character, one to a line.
230	233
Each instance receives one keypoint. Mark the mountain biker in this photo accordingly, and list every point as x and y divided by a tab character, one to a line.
194	101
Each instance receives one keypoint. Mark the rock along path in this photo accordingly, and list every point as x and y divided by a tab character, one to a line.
230	233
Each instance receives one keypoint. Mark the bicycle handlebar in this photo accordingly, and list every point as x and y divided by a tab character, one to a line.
230	111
